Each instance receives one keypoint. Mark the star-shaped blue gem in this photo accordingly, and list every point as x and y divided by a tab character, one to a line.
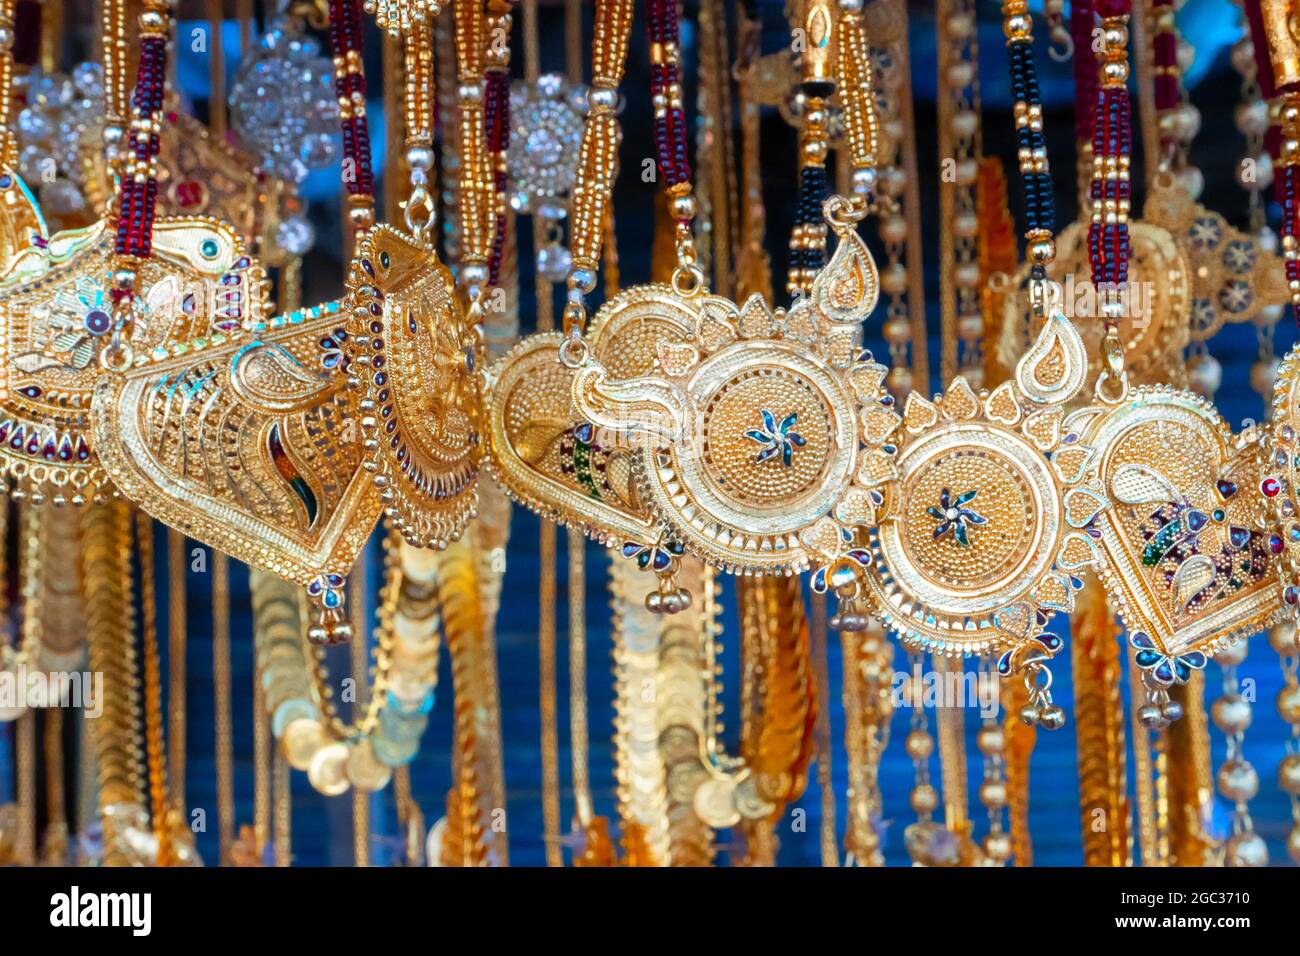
953	516
776	438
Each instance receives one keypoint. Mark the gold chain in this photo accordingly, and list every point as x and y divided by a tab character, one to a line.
221	691
153	715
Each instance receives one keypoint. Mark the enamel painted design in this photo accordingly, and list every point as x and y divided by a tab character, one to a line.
415	364
977	543
1280	482
245	447
56	318
1188	555
746	491
552	460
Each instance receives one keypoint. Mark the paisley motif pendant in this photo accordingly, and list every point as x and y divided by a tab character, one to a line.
1188	557
56	315
747	437
415	364
552	460
1154	333
250	446
978	542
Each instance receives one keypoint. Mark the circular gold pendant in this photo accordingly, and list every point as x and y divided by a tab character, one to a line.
977	543
748	436
415	362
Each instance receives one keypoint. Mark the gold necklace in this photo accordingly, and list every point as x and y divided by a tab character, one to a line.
745	439
1182	543
415	353
84	304
288	395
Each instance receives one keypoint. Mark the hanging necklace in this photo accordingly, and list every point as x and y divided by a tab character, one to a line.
1183	549
86	303
415	354
250	443
975	545
746	434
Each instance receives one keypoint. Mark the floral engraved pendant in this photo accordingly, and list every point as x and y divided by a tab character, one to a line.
415	361
552	460
57	317
1187	554
749	432
250	447
976	544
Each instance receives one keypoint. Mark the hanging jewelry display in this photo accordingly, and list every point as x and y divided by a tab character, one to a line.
1186	558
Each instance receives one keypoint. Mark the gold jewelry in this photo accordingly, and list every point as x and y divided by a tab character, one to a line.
414	354
758	499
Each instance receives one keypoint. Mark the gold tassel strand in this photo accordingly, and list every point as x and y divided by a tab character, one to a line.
31	534
154	744
177	642
1191	784
55	850
361	683
221	695
1099	727
822	730
1019	739
110	624
639	764
469	819
868	708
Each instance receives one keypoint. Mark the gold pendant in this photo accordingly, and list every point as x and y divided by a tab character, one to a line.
1187	555
546	455
249	446
415	360
1280	481
56	323
746	439
1232	278
978	541
1155	329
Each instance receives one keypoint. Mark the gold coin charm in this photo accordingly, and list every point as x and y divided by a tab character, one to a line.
60	337
1187	555
415	362
977	543
749	433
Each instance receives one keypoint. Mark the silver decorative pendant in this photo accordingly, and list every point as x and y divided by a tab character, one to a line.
545	139
283	106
